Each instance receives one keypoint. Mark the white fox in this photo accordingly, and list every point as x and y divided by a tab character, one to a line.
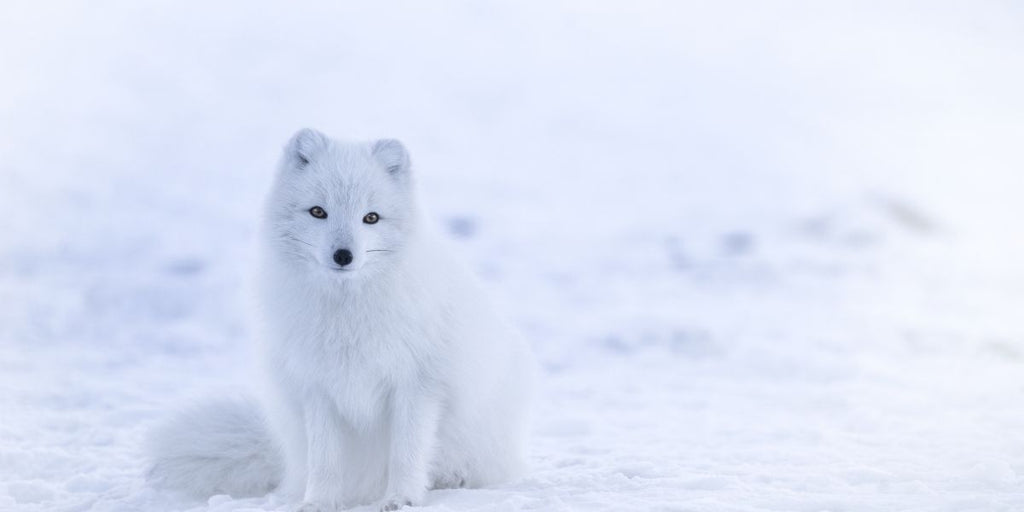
388	374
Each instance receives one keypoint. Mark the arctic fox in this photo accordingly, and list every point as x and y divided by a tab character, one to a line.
387	373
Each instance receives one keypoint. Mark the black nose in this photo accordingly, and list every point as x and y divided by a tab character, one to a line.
343	257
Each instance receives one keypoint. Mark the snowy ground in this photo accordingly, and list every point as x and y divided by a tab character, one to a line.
768	253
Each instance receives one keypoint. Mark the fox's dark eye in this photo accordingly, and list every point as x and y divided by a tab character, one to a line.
371	218
318	212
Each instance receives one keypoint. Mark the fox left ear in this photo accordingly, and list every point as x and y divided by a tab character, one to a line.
393	156
304	146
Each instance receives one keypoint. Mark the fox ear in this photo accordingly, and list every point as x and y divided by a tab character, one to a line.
304	146
393	156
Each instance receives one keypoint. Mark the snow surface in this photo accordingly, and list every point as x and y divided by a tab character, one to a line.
768	253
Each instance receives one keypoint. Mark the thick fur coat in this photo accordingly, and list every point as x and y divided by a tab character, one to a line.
387	372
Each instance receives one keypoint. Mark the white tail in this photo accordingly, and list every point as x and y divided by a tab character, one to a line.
221	447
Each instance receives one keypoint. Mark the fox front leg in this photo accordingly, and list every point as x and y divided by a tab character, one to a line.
414	422
323	456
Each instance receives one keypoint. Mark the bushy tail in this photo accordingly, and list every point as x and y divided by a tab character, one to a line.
221	447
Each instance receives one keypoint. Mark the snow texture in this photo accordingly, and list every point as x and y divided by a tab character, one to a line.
768	253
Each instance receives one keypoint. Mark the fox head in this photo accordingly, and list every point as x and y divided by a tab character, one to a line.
343	208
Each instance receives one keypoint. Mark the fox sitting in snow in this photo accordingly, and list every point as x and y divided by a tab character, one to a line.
387	373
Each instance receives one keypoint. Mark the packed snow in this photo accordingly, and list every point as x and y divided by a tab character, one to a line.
768	253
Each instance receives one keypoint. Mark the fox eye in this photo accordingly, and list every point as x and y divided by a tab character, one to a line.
318	212
371	218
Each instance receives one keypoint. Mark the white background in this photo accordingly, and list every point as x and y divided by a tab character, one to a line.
768	253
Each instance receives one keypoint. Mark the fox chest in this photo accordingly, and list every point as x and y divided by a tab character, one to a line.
358	369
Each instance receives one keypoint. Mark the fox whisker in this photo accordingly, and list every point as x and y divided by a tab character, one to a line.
301	241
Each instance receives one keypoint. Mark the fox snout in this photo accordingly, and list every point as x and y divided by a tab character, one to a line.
342	257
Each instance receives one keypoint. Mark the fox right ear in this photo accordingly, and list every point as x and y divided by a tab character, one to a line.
393	156
304	146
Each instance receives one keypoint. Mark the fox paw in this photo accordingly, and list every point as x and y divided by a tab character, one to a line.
316	507
449	481
392	504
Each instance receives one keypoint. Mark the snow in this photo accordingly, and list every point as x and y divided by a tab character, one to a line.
767	253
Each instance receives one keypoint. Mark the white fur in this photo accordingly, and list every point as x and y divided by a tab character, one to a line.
221	447
388	377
